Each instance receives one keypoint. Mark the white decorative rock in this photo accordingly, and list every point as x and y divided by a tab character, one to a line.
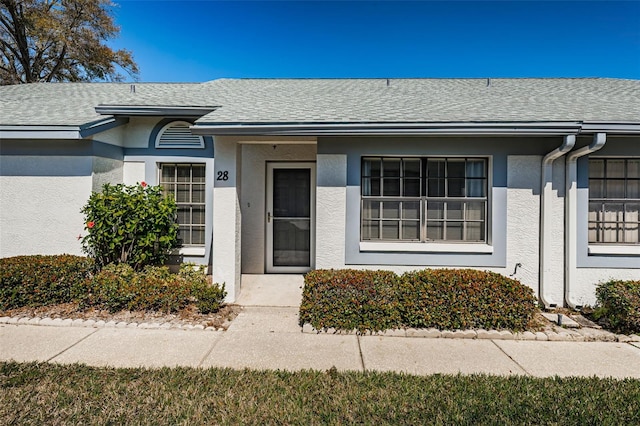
100	324
46	321
89	323
34	321
198	327
77	322
4	320
23	320
132	325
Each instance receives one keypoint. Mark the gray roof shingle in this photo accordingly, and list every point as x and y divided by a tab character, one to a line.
337	100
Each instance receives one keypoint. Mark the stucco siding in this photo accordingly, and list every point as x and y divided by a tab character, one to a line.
331	210
584	291
41	201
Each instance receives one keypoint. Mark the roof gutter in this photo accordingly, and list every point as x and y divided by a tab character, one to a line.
61	132
386	129
546	214
571	209
164	110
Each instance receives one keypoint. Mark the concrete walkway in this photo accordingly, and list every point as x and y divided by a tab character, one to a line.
268	337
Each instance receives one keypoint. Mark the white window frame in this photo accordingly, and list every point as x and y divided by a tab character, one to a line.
612	247
172	124
190	249
424	244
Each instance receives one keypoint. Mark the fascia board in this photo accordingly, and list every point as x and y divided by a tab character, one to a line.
129	110
40	132
609	127
384	129
102	125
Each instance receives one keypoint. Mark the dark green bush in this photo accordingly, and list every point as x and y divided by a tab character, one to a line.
464	298
41	280
445	299
619	305
350	299
118	287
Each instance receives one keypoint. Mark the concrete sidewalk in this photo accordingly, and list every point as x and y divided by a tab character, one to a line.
270	338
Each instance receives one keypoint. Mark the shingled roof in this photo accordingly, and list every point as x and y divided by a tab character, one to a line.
239	101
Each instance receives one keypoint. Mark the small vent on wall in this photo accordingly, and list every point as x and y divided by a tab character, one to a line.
178	135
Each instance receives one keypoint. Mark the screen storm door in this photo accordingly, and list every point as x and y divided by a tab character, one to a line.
290	217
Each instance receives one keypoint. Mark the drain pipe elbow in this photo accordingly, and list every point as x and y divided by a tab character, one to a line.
571	212
545	212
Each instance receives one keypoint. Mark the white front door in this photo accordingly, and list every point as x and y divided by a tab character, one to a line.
290	217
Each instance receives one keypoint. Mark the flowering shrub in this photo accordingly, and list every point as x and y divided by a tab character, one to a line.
134	224
41	280
441	298
619	305
119	287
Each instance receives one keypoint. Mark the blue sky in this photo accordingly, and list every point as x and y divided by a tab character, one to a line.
204	40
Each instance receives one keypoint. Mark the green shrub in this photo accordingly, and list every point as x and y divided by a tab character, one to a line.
464	298
41	280
134	224
445	299
119	287
350	299
619	305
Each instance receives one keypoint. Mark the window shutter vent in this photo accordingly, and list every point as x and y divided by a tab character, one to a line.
178	135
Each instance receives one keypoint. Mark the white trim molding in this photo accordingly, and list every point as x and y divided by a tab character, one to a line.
425	247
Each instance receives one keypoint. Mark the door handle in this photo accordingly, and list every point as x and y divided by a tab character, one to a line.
268	217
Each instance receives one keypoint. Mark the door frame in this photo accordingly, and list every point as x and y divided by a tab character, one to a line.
269	267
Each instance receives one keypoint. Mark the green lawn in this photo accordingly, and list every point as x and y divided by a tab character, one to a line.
53	394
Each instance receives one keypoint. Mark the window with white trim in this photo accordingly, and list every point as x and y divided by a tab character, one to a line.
424	199
177	134
186	183
614	200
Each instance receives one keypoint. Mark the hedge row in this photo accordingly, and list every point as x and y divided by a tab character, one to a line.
441	298
619	305
41	280
45	280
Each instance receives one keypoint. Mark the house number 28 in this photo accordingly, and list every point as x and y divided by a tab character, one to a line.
223	175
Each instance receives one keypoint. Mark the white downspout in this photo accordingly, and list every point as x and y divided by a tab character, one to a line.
546	191
571	212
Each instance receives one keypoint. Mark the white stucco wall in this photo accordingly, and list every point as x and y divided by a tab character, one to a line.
106	170
133	172
254	157
523	218
41	201
331	210
138	131
584	291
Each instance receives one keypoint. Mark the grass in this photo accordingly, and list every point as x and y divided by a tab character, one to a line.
36	393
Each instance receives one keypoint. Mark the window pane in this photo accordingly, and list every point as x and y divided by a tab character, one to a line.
371	167
391	209
184	234
593	234
475	211
615	168
184	172
633	168
391	167
411	187
475	187
475	231
596	188
435	168
411	168
455	168
454	210
615	188
613	212
454	231
411	210
182	196
370	209
197	216
198	193
633	188
435	187
390	230
371	187
434	231
370	230
168	173
197	235
476	169
596	168
435	210
184	215
455	187
198	173
391	187
411	230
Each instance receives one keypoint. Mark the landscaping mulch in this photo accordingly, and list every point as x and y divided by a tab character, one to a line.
186	316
